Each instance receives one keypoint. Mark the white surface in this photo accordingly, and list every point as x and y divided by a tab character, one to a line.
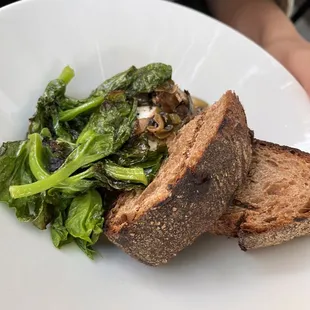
99	38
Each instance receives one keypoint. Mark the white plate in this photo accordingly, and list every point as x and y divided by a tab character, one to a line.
99	38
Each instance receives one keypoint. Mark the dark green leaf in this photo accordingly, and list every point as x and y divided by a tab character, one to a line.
141	80
77	125
46	106
107	130
134	151
148	78
55	153
120	81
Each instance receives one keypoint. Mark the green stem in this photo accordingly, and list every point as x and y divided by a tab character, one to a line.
35	157
66	75
74	161
19	191
87	174
68	115
134	174
68	103
74	180
37	167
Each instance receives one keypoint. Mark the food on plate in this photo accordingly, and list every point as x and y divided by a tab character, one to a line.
208	160
273	205
151	167
78	153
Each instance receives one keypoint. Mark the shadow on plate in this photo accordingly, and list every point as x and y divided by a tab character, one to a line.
216	258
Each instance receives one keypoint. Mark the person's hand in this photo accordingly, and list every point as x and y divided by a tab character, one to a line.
294	54
265	23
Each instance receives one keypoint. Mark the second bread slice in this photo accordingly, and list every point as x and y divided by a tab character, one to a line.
273	205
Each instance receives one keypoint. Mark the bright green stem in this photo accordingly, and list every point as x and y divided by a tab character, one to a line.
66	75
87	174
35	157
76	160
68	115
37	167
133	174
19	191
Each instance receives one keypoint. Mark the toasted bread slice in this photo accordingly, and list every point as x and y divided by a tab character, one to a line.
273	205
208	160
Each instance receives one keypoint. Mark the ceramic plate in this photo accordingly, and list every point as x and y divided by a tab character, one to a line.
99	38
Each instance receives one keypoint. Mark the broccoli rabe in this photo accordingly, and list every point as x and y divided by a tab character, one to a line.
78	149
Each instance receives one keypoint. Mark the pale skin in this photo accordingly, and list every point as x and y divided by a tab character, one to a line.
265	23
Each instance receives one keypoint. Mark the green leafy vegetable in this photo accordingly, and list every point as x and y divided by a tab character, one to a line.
134	151
132	174
59	233
148	78
137	150
85	216
43	212
14	169
85	219
66	75
47	113
13	156
133	81
55	153
80	154
78	183
107	130
75	184
120	81
85	107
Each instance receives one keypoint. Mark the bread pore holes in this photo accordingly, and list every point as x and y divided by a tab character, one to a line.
270	219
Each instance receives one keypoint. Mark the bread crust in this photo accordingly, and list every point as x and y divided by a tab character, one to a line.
251	240
197	199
